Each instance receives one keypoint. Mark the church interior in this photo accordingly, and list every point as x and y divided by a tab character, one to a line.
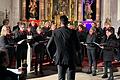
41	13
16	10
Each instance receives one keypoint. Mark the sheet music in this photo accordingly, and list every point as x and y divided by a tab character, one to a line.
97	44
20	41
16	71
83	43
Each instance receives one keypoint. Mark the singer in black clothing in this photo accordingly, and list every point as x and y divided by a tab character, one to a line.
20	38
91	38
108	45
38	49
67	45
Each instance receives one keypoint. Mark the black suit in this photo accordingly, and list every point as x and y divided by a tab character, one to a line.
66	46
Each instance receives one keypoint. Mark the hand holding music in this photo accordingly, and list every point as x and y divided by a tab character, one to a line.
102	47
85	44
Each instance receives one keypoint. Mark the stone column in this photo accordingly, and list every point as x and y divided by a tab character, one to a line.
15	7
97	10
118	15
5	4
105	10
118	9
80	10
114	13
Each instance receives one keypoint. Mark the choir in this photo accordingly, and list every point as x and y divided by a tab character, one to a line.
15	41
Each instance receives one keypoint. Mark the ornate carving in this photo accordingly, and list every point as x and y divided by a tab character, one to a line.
33	9
88	10
64	7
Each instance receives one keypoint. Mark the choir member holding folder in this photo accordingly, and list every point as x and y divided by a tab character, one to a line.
109	43
91	38
20	39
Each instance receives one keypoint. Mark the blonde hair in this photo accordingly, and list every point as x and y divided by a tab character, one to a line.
107	22
5	30
38	28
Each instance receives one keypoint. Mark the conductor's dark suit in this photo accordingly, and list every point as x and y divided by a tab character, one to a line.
66	46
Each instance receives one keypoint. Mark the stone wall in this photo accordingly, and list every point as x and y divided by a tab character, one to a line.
5	4
13	10
1	17
114	14
111	9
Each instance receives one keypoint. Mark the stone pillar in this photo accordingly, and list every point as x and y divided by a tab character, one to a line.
114	13
105	10
80	10
5	4
1	17
97	10
118	9
15	9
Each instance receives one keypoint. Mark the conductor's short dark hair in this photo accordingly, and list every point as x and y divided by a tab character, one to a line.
64	19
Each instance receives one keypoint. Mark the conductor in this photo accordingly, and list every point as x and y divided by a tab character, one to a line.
66	43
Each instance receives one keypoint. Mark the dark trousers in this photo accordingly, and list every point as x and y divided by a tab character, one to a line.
81	54
39	54
21	54
62	69
91	58
108	64
11	54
